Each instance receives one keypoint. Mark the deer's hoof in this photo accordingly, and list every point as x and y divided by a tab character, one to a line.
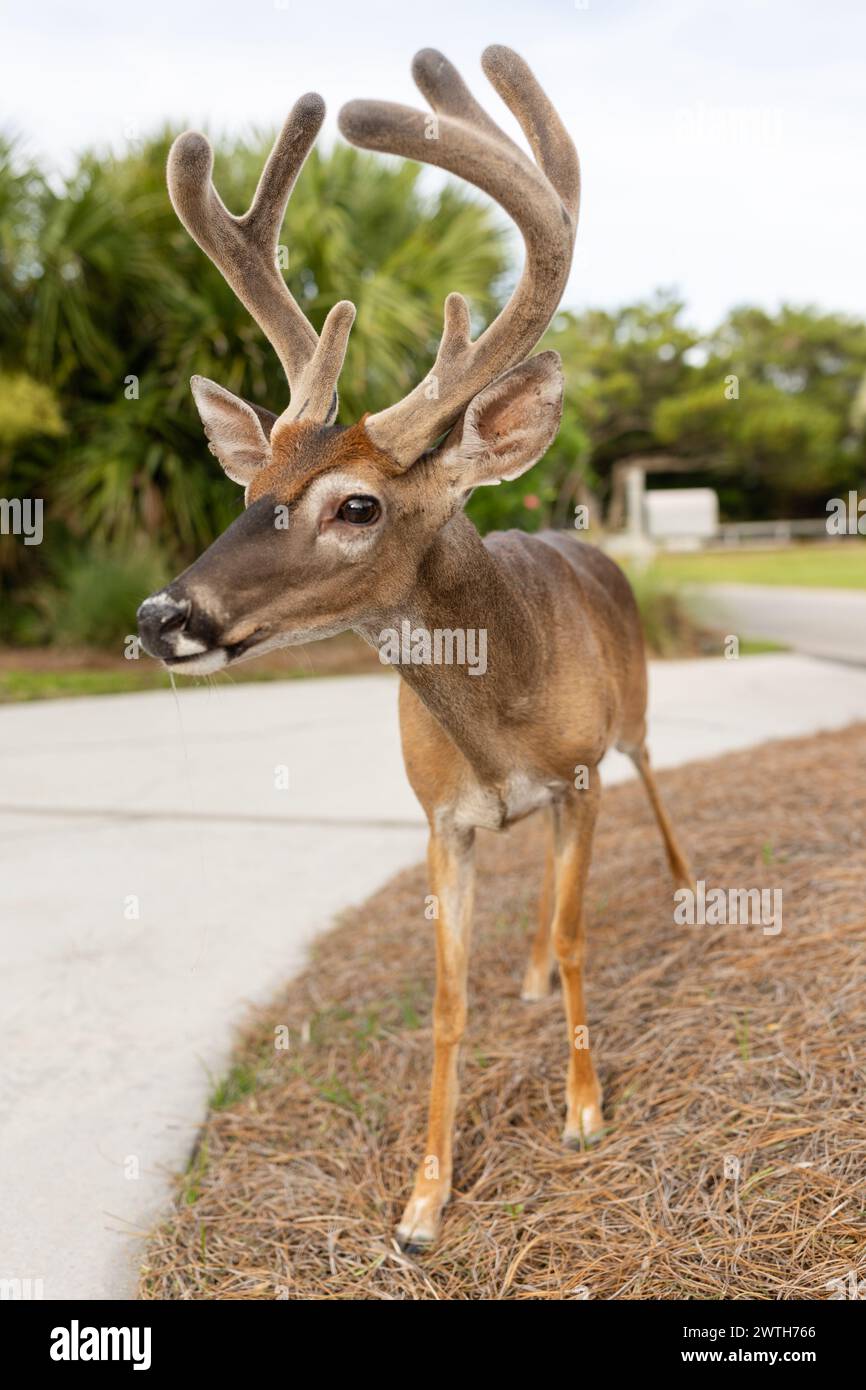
413	1247
588	1128
537	985
420	1224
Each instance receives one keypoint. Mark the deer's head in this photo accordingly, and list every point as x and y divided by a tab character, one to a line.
338	520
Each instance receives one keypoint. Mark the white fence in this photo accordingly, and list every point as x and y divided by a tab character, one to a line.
754	532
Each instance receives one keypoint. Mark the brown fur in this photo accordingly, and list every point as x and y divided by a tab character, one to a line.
302	452
559	693
565	681
565	677
564	691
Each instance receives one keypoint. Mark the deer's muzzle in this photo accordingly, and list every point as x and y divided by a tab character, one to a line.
171	630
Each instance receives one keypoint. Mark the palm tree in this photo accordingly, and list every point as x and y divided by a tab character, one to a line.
123	293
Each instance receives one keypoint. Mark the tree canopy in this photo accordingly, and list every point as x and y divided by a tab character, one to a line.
107	308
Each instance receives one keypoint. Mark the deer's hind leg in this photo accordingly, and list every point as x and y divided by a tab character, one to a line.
679	867
538	979
574	824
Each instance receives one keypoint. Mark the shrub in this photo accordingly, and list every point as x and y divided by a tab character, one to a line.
94	598
668	627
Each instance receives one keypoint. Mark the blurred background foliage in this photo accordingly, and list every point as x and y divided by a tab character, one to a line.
107	308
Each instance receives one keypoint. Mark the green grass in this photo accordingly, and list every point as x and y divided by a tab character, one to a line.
741	1031
196	1169
21	684
832	566
50	685
241	1080
760	646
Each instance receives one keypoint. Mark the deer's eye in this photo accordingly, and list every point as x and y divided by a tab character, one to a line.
359	511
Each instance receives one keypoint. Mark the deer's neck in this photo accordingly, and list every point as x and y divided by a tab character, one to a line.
467	642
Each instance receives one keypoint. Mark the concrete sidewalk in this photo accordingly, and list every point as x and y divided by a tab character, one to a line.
112	1024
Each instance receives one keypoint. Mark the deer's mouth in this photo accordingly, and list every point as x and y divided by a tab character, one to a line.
215	658
199	663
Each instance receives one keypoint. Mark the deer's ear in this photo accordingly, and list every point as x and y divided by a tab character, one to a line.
236	431
508	426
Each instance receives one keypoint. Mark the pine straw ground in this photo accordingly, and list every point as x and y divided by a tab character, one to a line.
712	1043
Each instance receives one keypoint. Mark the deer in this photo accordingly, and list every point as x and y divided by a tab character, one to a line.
362	527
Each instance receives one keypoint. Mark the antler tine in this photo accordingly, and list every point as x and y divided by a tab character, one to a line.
548	138
542	199
439	81
244	250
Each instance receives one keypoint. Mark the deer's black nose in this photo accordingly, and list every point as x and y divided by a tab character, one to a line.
161	618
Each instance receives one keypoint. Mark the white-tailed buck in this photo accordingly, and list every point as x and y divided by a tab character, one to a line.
362	527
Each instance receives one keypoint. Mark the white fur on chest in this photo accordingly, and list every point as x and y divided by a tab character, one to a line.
485	808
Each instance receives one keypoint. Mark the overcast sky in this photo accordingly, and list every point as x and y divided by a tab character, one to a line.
722	141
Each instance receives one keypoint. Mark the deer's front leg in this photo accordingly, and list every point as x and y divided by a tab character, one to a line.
451	866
